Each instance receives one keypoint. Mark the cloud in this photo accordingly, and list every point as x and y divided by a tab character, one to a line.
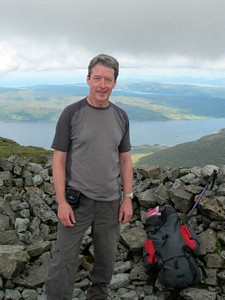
57	34
27	55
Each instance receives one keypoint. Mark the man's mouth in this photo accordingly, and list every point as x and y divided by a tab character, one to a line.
102	92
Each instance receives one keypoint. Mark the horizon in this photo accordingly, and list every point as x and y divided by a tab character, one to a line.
78	76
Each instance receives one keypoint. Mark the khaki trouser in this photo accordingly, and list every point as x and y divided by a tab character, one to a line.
103	217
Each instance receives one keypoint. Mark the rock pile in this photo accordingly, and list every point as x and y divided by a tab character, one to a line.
28	223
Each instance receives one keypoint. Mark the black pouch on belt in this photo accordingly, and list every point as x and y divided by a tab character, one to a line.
72	196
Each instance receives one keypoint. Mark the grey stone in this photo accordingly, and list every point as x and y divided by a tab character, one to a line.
12	295
25	213
4	222
198	294
221	274
139	273
122	267
9	237
208	170
142	186
147	198
182	200
134	238
7	178
38	247
28	178
49	188
5	164
21	225
18	182
212	208
45	174
149	171
13	259
2	295
213	260
37	180
17	170
221	237
41	209
161	194
208	241
29	294
211	278
36	273
119	280
35	168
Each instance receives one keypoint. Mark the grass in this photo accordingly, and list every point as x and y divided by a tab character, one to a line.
139	152
135	158
9	147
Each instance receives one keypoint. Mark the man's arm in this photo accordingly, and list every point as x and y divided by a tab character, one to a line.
126	173
65	212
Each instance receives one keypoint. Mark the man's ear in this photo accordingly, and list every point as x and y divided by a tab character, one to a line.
88	79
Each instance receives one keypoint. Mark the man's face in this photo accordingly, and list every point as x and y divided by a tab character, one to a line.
101	82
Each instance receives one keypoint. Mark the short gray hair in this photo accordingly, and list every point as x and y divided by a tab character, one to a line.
104	60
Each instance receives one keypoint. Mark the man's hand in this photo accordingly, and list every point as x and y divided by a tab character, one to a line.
66	214
126	211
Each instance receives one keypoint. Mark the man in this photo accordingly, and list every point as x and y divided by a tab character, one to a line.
91	149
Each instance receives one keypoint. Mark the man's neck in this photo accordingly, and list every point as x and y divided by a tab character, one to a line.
97	103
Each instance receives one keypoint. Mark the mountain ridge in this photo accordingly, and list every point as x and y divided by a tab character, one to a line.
207	150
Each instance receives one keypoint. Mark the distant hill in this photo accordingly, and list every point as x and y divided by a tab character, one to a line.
142	101
185	99
209	149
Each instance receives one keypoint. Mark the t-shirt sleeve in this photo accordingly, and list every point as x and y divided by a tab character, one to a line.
125	145
62	136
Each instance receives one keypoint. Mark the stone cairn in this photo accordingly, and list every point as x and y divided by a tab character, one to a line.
28	220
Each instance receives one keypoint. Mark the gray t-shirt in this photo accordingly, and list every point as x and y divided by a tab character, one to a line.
93	138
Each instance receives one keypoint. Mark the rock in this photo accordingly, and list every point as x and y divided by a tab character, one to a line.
213	261
198	294
37	248
41	209
28	220
147	198
208	241
13	259
12	294
149	171
119	280
182	200
37	180
134	239
29	294
36	273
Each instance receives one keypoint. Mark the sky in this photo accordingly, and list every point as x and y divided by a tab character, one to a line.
57	38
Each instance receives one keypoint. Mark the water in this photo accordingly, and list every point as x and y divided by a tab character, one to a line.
29	133
168	133
171	133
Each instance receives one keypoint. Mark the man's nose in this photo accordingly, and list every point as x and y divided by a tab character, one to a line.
102	82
